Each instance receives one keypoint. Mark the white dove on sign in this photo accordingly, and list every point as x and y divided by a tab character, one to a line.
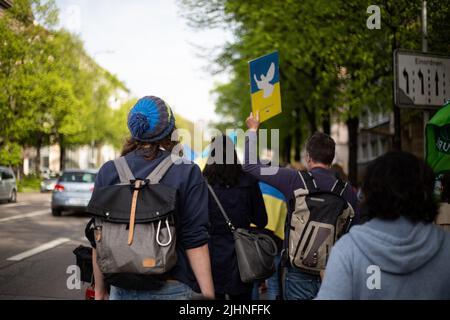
264	83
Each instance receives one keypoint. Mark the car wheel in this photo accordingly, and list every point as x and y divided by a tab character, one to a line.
56	212
13	198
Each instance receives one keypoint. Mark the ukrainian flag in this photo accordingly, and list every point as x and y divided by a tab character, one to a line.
276	209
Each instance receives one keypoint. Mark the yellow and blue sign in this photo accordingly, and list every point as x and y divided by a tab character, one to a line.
265	86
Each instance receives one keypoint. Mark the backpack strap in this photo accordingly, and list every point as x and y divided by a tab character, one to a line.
123	170
339	187
158	173
308	180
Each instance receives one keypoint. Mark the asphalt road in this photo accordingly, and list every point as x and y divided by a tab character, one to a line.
36	249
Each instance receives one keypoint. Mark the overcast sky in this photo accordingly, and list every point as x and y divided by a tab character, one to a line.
148	45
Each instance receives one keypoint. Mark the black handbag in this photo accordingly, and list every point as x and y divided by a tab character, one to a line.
84	262
255	251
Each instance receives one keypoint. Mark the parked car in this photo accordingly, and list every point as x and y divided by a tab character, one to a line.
73	191
8	185
48	185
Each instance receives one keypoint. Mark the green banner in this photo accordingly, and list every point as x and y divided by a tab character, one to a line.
438	140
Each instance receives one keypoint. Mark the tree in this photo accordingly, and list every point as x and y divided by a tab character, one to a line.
54	92
332	66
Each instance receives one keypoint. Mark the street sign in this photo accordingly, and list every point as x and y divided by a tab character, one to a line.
421	79
265	86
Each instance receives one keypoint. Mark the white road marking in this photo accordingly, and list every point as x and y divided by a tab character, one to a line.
13	205
26	215
41	248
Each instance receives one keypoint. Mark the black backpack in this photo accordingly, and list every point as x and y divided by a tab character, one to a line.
134	223
319	219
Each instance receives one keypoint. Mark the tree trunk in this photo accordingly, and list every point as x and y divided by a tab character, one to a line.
326	124
298	136
98	148
298	146
352	126
311	116
62	154
37	163
287	149
397	140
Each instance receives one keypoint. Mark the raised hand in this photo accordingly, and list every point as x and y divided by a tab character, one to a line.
253	122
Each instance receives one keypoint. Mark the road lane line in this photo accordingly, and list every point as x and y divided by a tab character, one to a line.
26	215
41	248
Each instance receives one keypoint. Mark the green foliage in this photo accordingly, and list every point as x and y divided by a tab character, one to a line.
31	183
11	154
118	124
331	64
53	91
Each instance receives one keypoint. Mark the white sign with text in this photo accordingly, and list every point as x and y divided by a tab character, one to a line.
421	80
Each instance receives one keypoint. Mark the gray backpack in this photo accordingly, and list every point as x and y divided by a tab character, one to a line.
319	219
134	224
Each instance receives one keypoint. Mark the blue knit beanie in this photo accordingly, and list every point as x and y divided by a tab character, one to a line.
150	120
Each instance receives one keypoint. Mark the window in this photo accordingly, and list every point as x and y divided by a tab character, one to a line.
365	152
364	119
80	177
384	145
45	161
374	148
6	175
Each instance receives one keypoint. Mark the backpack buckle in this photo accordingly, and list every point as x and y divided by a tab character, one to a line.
138	184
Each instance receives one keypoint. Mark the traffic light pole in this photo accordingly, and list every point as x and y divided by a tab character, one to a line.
426	113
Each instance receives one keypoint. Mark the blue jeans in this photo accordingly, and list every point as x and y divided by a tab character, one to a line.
299	285
170	290
273	283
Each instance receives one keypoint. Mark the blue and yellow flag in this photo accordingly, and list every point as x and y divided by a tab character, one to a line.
265	86
276	209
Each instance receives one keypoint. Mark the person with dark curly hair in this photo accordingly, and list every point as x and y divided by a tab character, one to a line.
399	253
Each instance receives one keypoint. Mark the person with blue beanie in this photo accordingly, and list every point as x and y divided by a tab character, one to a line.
150	120
151	123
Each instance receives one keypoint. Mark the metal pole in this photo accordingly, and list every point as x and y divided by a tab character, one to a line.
426	113
424	27
397	139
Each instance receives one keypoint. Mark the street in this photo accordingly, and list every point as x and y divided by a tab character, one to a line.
36	249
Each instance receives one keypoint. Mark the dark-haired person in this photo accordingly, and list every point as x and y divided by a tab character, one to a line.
151	124
399	253
242	200
320	152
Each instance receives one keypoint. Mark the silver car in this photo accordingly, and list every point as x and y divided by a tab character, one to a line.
48	184
73	191
8	185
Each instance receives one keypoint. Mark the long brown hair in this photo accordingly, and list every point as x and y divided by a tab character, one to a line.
150	150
